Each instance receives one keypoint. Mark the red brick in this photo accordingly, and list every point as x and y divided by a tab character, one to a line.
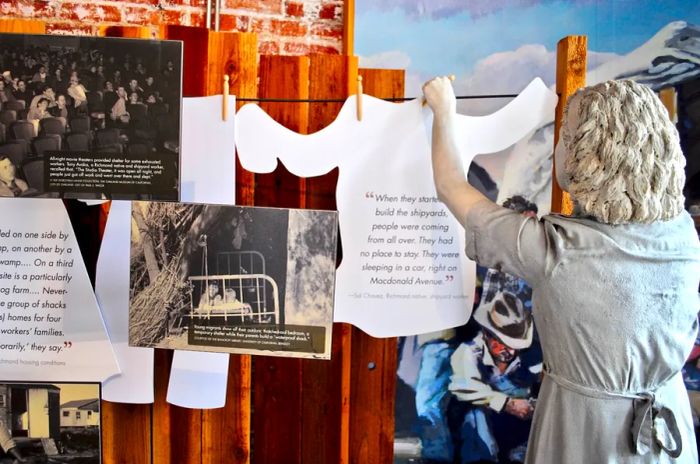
285	28
235	23
268	48
258	6
89	12
295	48
43	9
288	28
140	15
333	31
332	11
172	17
325	49
197	19
69	28
295	9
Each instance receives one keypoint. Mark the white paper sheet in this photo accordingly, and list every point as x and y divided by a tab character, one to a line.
135	383
404	270
207	175
52	329
198	380
208	164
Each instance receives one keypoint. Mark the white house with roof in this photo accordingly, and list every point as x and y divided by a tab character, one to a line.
81	413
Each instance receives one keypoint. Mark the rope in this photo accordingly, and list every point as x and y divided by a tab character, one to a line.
338	100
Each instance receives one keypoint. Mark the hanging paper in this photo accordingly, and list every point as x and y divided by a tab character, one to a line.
404	270
50	325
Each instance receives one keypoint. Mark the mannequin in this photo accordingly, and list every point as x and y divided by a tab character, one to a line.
614	286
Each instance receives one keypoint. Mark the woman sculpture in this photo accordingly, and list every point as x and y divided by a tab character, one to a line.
615	285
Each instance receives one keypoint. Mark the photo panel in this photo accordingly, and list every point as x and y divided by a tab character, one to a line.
90	117
50	422
232	279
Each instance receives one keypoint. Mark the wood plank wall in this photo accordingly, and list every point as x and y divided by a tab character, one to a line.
278	410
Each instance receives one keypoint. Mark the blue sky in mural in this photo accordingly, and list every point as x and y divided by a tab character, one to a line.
431	37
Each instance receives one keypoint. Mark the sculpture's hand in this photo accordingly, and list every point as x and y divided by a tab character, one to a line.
440	96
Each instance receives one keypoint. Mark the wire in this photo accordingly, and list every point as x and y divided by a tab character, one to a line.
338	100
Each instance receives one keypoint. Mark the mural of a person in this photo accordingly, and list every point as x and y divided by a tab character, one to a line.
493	383
436	431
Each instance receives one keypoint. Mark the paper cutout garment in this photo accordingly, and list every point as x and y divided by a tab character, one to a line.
51	325
198	380
404	270
205	137
212	181
135	383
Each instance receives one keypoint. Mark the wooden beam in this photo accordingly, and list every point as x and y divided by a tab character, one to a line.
349	27
668	98
277	382
326	385
284	77
571	76
22	26
374	360
131	32
224	433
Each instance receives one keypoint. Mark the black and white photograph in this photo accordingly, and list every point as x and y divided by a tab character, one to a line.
89	117
50	423
232	279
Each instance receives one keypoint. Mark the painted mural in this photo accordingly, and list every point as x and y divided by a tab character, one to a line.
467	395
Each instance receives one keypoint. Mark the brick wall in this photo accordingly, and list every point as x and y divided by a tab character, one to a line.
289	27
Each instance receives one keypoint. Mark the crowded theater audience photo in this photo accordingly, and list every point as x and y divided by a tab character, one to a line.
88	96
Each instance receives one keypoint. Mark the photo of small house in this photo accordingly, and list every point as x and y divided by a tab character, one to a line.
55	423
81	413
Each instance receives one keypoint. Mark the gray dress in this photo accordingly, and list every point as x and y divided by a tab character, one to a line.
616	309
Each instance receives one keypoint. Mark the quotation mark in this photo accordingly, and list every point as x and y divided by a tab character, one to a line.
67	344
369	194
449	278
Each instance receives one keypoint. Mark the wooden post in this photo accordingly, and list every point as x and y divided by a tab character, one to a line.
374	360
349	27
571	76
277	421
326	385
284	77
216	435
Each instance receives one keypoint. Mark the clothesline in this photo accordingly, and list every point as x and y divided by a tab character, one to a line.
338	100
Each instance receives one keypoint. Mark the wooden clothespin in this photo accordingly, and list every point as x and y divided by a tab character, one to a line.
451	77
359	98
224	108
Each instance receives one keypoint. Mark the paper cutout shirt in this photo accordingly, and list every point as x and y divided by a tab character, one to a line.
52	328
404	270
208	172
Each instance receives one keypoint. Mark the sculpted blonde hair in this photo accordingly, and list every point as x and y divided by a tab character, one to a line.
624	161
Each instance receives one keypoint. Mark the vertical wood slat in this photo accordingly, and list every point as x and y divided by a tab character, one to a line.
277	381
22	26
331	77
571	76
124	423
349	27
283	77
326	385
226	431
131	32
223	434
668	98
374	360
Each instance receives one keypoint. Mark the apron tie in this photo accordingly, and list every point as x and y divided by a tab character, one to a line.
653	423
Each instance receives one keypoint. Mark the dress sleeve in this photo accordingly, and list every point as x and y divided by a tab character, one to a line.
506	240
